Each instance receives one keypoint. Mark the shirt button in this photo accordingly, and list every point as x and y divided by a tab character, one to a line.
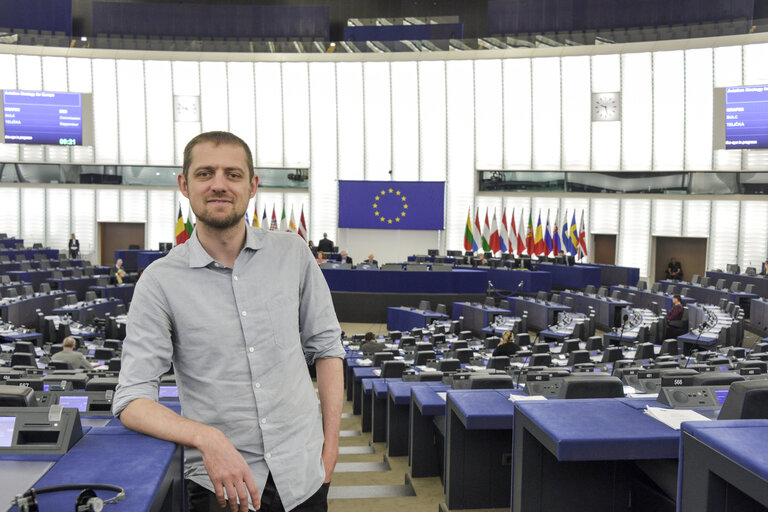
263	420
235	278
268	456
250	349
258	385
244	313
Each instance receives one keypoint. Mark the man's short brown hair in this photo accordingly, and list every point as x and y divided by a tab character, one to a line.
217	138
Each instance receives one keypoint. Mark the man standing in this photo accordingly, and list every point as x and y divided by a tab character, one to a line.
74	247
240	312
325	244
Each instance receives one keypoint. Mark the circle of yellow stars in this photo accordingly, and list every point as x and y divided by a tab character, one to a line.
380	196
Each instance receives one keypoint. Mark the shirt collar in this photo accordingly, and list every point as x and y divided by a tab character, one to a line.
198	257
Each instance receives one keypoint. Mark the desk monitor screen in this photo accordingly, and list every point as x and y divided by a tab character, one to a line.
7	424
79	402
168	392
720	394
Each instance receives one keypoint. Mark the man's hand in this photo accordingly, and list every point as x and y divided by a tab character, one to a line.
330	455
228	472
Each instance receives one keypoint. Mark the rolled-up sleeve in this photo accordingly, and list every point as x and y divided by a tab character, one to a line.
148	345
320	331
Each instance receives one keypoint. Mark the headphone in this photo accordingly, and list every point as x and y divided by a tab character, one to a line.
87	501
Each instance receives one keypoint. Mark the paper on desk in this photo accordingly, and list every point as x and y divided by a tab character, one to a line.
364	362
441	394
377	372
525	398
673	417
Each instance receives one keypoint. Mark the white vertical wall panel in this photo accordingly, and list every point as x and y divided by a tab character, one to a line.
668	110
83	222
576	115
105	113
131	108
242	109
378	120
698	109
634	235
186	82
432	121
79	74
667	217
10	211
107	205
488	114
636	112
461	159
518	109
753	236
30	72
296	114
269	114
133	205
8	152
322	176
349	101
214	101
159	98
724	234
696	218
728	72
57	223
546	106
604	216
405	121
55	74
33	216
161	222
755	73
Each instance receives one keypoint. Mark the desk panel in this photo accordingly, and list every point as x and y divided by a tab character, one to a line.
579	276
760	282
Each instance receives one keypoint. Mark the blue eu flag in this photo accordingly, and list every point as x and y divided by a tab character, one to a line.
391	204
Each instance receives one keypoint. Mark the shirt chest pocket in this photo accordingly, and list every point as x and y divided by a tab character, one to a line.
284	320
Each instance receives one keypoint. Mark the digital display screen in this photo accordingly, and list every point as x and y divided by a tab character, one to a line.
746	117
720	394
7	424
79	402
168	392
43	117
723	368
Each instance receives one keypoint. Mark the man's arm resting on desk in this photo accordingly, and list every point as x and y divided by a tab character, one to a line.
226	467
330	386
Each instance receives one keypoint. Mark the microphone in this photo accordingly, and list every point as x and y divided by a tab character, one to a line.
624	319
520	371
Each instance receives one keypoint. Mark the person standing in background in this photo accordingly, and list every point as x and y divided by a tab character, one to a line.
74	247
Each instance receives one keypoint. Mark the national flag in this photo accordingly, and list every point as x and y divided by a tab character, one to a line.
283	221
513	234
477	232
494	242
189	227
529	245
486	235
273	223
566	235
255	216
538	240
181	231
520	231
469	241
582	237
264	218
292	222
573	234
302	225
547	235
504	233
556	248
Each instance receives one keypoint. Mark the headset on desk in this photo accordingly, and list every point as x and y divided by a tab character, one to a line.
86	501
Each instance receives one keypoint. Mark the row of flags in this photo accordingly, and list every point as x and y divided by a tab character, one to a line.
494	237
184	229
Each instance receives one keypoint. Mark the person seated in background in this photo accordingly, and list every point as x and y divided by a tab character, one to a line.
321	257
371	346
312	248
325	244
68	355
119	276
674	270
764	269
480	259
116	270
676	311
370	261
507	346
343	258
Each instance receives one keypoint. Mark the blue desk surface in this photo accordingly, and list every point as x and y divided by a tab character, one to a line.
602	429
405	318
380	281
427	399
365	372
533	281
381	386
564	276
480	409
400	392
111	455
737	440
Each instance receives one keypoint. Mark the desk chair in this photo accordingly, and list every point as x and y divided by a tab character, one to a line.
504	304
593	386
498	363
101	384
491	381
425	305
716	379
568	301
490	301
456	345
464	354
448	365
114	364
569	346
704	281
746	400
644	351
671	289
695	278
656	287
616	294
542	295
642	285
392	369
594	343
685	291
440	308
491	342
23	359
555	298
590	288
578	357
380	357
735	286
669	347
17	396
523	339
23	347
602	291
750	288
541	359
59	365
612	354
421	357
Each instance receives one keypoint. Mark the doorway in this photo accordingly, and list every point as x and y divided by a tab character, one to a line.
115	236
604	248
690	252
